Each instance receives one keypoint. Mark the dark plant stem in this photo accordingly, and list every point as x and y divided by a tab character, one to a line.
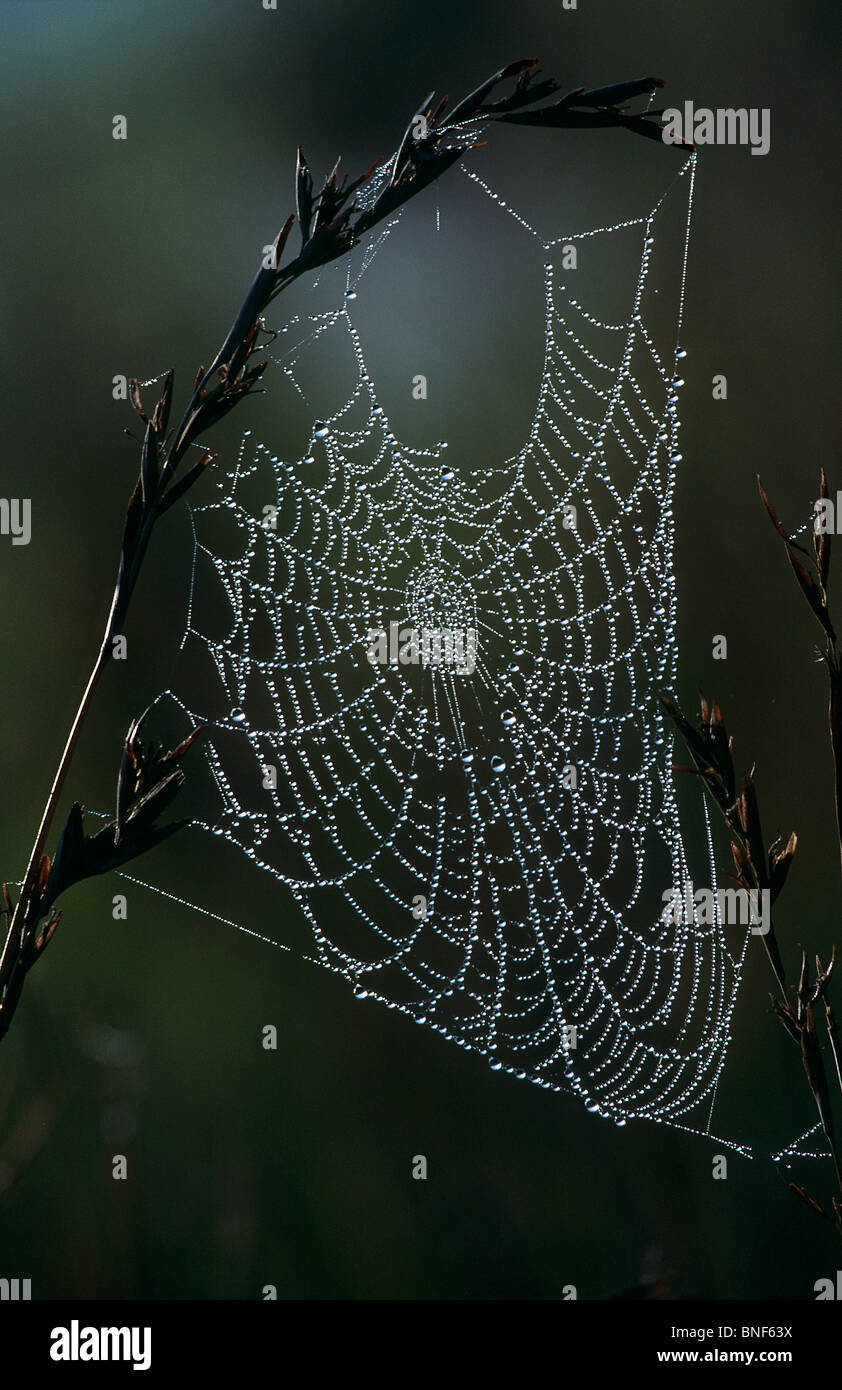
833	1035
711	753
756	869
834	717
10	986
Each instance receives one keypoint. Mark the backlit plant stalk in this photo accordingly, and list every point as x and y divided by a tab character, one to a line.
756	869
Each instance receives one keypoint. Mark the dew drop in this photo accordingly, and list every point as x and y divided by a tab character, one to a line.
320	429
498	764
238	716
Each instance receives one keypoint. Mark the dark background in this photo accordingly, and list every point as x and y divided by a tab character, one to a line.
293	1167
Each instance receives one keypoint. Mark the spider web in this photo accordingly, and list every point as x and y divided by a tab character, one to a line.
484	850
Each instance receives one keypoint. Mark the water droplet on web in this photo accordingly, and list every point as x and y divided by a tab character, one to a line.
508	718
320	429
350	294
498	764
238	716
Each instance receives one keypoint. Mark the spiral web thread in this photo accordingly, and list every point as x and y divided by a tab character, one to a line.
485	852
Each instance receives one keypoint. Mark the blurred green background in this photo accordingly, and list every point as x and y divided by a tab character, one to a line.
293	1168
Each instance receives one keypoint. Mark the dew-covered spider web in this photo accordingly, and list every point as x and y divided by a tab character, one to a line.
478	825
